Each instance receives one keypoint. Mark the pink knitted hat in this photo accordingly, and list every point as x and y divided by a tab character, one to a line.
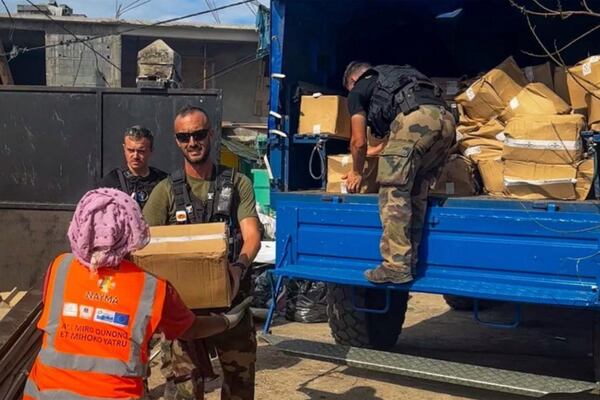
107	225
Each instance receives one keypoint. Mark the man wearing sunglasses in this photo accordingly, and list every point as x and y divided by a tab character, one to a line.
137	178
204	192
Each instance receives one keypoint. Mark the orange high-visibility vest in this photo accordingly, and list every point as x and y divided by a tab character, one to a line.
96	332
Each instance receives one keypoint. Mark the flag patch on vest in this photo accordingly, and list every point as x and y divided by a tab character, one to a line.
111	317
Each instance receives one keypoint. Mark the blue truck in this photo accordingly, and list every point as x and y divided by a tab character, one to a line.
474	248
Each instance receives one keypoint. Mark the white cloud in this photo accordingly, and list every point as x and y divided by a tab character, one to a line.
157	10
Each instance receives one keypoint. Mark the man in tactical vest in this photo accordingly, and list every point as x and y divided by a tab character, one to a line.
402	105
203	192
138	178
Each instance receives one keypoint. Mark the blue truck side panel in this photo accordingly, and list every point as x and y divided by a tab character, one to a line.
530	252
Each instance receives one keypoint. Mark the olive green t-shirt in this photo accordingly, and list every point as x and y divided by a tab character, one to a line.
160	207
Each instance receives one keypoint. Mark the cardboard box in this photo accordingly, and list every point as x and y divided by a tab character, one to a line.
560	84
478	149
585	179
490	94
492	176
324	115
593	101
339	166
533	181
535	99
544	139
582	78
490	130
540	73
458	178
194	259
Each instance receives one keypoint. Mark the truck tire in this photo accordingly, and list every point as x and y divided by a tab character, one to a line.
459	303
361	329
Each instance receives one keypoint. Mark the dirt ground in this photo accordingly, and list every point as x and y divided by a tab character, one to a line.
551	342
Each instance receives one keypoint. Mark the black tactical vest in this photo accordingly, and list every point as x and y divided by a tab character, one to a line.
218	206
137	188
399	89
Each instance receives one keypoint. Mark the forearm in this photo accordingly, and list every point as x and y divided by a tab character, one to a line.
358	142
359	153
205	326
249	250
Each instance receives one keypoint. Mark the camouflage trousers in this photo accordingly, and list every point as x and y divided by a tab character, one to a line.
236	350
418	146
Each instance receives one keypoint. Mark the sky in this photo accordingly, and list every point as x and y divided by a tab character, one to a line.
155	10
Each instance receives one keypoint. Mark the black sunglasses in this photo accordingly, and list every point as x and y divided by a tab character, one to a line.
198	135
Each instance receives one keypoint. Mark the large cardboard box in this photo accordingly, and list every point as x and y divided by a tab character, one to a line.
582	78
544	139
490	94
478	149
535	99
593	100
490	130
194	259
492	176
458	178
341	164
540	73
324	115
533	181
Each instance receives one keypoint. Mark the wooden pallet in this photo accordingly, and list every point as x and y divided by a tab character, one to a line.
20	342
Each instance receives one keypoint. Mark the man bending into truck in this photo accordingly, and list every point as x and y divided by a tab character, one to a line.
203	192
403	105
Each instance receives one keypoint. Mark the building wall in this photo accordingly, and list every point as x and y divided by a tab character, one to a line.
77	65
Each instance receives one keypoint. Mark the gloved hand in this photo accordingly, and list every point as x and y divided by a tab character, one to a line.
235	315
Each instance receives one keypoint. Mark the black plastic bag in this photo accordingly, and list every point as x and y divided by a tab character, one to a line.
306	301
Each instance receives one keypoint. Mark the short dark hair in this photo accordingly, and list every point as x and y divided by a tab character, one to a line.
138	132
191	109
352	68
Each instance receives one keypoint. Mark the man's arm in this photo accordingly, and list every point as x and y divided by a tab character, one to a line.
156	209
249	228
358	148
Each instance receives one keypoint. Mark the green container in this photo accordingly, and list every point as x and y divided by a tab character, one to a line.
262	188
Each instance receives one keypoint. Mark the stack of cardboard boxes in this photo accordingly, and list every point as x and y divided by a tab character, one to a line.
524	137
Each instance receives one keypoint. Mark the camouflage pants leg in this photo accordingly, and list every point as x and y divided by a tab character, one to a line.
179	371
237	353
419	195
418	145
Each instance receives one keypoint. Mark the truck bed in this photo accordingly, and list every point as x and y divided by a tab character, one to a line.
543	252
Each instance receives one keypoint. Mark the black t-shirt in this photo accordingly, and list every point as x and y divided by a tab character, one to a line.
138	187
359	97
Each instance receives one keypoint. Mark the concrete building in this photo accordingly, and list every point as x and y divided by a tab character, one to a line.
213	56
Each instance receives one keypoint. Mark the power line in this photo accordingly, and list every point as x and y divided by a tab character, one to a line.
23	50
215	14
248	59
75	36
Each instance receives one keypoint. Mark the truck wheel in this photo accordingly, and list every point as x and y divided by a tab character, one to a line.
361	329
459	303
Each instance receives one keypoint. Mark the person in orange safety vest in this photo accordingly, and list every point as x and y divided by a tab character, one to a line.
100	310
